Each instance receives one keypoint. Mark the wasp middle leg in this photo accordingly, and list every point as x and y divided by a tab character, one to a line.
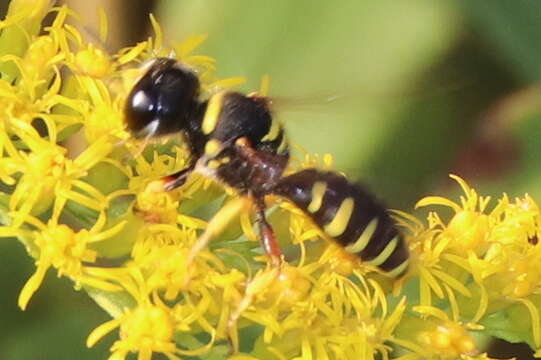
218	223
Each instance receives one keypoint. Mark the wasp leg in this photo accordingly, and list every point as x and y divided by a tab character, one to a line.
218	224
133	153
262	281
177	179
265	279
268	237
245	148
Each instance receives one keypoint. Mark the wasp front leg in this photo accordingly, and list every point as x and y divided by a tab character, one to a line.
170	182
177	179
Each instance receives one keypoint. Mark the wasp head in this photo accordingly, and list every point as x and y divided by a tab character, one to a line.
163	100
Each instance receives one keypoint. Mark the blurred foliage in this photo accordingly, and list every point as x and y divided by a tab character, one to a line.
57	323
413	81
425	88
372	55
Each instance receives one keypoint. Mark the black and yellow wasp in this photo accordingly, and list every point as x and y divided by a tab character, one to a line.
234	139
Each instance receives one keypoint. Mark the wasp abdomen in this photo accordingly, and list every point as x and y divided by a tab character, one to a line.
348	214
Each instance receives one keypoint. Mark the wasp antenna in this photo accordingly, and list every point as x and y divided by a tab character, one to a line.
334	97
97	37
264	85
158	34
172	54
133	153
103	25
120	142
147	65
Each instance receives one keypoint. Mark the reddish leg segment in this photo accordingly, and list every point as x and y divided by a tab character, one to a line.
177	179
268	237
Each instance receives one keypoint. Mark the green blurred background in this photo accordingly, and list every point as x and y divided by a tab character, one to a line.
422	88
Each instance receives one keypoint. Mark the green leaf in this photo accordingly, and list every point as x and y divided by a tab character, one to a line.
113	303
511	324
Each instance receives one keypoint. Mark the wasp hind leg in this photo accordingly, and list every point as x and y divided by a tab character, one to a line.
268	237
223	218
264	279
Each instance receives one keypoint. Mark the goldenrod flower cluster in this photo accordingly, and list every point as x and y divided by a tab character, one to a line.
73	192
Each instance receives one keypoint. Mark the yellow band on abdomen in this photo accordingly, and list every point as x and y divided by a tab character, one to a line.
364	239
318	191
340	221
384	255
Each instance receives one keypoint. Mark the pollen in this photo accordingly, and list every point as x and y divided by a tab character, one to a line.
144	330
470	229
156	206
524	279
146	327
339	260
449	341
290	287
93	62
39	53
104	120
168	268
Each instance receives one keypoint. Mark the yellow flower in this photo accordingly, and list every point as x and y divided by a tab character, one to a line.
493	251
447	339
80	209
67	251
145	329
152	326
327	316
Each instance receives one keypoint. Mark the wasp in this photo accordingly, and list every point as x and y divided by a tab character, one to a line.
235	140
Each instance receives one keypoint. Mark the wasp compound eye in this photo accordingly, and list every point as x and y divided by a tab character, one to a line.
162	101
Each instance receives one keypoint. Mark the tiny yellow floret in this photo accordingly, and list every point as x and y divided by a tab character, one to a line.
93	62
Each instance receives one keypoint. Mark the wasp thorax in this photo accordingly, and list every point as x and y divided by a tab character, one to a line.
163	100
